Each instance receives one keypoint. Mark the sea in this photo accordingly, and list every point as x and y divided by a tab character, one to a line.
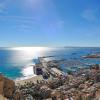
17	62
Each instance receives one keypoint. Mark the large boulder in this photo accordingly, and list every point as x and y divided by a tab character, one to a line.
7	87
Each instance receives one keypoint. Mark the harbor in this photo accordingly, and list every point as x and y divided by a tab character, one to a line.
47	68
54	84
81	85
55	78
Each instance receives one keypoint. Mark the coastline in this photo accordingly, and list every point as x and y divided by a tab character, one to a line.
82	85
14	68
29	79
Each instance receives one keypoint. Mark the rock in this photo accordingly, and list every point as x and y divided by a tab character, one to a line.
84	97
18	96
45	93
81	86
97	94
29	97
97	85
1	85
97	78
7	87
55	94
2	97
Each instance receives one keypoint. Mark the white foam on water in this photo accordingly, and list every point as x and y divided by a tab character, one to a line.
28	70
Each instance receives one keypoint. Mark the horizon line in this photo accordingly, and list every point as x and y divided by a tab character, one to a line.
52	46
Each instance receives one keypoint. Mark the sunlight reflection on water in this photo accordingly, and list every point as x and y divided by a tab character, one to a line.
25	55
15	62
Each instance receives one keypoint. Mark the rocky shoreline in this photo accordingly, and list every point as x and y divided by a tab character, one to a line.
84	85
8	89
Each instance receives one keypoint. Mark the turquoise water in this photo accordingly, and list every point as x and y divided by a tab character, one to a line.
16	62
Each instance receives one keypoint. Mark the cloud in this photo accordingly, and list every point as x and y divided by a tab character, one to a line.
42	14
60	24
46	15
89	14
3	5
18	22
32	5
17	19
37	6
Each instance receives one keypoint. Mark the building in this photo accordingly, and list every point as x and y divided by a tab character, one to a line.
56	71
37	70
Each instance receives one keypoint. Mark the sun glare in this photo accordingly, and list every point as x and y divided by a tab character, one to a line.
30	52
29	48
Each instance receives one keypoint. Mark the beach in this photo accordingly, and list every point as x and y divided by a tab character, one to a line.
29	79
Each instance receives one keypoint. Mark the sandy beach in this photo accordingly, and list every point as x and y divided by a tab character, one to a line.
29	79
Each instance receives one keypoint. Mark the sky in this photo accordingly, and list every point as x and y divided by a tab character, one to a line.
49	23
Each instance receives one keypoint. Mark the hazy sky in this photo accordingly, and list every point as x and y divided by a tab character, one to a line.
49	22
